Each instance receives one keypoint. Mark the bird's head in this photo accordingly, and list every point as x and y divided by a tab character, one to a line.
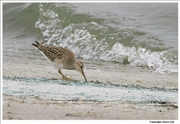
80	68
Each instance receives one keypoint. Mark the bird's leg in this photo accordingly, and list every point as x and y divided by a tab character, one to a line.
63	76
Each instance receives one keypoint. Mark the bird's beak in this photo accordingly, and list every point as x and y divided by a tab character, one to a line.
84	76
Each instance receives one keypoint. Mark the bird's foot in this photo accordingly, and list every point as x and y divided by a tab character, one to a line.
66	78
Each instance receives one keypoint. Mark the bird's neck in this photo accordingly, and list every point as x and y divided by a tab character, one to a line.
76	65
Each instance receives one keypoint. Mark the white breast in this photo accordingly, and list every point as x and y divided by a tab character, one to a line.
57	64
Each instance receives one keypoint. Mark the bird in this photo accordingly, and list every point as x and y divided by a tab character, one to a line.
61	58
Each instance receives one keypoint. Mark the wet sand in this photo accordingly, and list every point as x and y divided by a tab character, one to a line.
124	75
34	109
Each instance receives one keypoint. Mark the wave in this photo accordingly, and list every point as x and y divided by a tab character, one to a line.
102	39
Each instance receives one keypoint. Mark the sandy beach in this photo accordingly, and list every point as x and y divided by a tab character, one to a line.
20	110
16	108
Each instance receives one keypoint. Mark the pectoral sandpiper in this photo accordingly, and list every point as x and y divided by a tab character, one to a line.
61	58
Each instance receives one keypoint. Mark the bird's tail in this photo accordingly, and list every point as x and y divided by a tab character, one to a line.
37	44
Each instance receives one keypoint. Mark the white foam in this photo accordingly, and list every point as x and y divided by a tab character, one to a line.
84	44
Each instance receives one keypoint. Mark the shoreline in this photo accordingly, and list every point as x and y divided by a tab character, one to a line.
124	75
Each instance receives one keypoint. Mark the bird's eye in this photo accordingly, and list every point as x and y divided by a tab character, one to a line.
81	67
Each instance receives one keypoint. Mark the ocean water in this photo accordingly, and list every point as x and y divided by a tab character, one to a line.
132	34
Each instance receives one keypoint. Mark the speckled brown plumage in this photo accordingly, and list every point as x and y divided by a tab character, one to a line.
61	58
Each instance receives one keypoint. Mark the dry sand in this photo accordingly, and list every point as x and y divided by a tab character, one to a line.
14	108
39	110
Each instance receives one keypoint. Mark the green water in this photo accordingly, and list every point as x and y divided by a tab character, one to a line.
136	34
